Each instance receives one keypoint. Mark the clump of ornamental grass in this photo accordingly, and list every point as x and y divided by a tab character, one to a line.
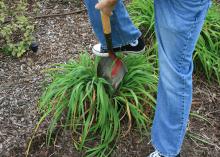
142	15
207	53
79	100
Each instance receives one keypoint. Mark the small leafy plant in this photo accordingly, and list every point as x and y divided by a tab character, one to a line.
88	105
16	33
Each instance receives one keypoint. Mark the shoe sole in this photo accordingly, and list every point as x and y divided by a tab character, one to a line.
124	52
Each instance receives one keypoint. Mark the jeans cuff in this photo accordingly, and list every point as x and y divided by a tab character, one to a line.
118	45
161	153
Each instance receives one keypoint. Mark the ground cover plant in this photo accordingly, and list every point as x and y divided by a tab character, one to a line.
16	27
78	100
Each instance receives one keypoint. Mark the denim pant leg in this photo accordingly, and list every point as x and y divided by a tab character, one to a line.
123	30
178	25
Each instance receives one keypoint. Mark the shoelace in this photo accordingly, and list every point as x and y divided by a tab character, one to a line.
155	154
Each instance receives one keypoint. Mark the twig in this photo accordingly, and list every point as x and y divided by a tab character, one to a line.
52	154
52	15
61	14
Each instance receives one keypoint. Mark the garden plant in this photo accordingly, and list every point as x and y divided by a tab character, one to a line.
16	27
77	99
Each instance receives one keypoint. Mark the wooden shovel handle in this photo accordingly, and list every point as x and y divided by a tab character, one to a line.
106	24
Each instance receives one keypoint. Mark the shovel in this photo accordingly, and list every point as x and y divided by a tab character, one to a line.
110	68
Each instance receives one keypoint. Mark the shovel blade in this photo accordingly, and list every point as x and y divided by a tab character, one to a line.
111	69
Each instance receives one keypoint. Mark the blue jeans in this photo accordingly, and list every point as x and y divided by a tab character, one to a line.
178	24
123	31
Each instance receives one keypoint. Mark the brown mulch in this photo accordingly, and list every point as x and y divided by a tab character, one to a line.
63	38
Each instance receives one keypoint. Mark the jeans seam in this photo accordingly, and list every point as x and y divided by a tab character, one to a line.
184	79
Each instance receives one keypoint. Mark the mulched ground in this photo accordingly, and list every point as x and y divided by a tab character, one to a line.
63	38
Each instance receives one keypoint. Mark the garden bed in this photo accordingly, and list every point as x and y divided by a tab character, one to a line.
60	39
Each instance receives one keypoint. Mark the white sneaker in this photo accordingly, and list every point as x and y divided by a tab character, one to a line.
155	154
96	49
137	46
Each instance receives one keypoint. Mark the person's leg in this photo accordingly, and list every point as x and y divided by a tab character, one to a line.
123	30
178	25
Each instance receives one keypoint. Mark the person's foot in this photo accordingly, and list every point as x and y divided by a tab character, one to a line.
157	154
137	46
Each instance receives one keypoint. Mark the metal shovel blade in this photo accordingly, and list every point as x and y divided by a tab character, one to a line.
111	69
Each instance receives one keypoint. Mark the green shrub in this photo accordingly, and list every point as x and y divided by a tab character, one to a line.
88	105
16	27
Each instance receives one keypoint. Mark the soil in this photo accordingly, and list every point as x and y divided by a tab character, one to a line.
63	38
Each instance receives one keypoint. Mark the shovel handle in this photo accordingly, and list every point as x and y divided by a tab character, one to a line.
106	24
